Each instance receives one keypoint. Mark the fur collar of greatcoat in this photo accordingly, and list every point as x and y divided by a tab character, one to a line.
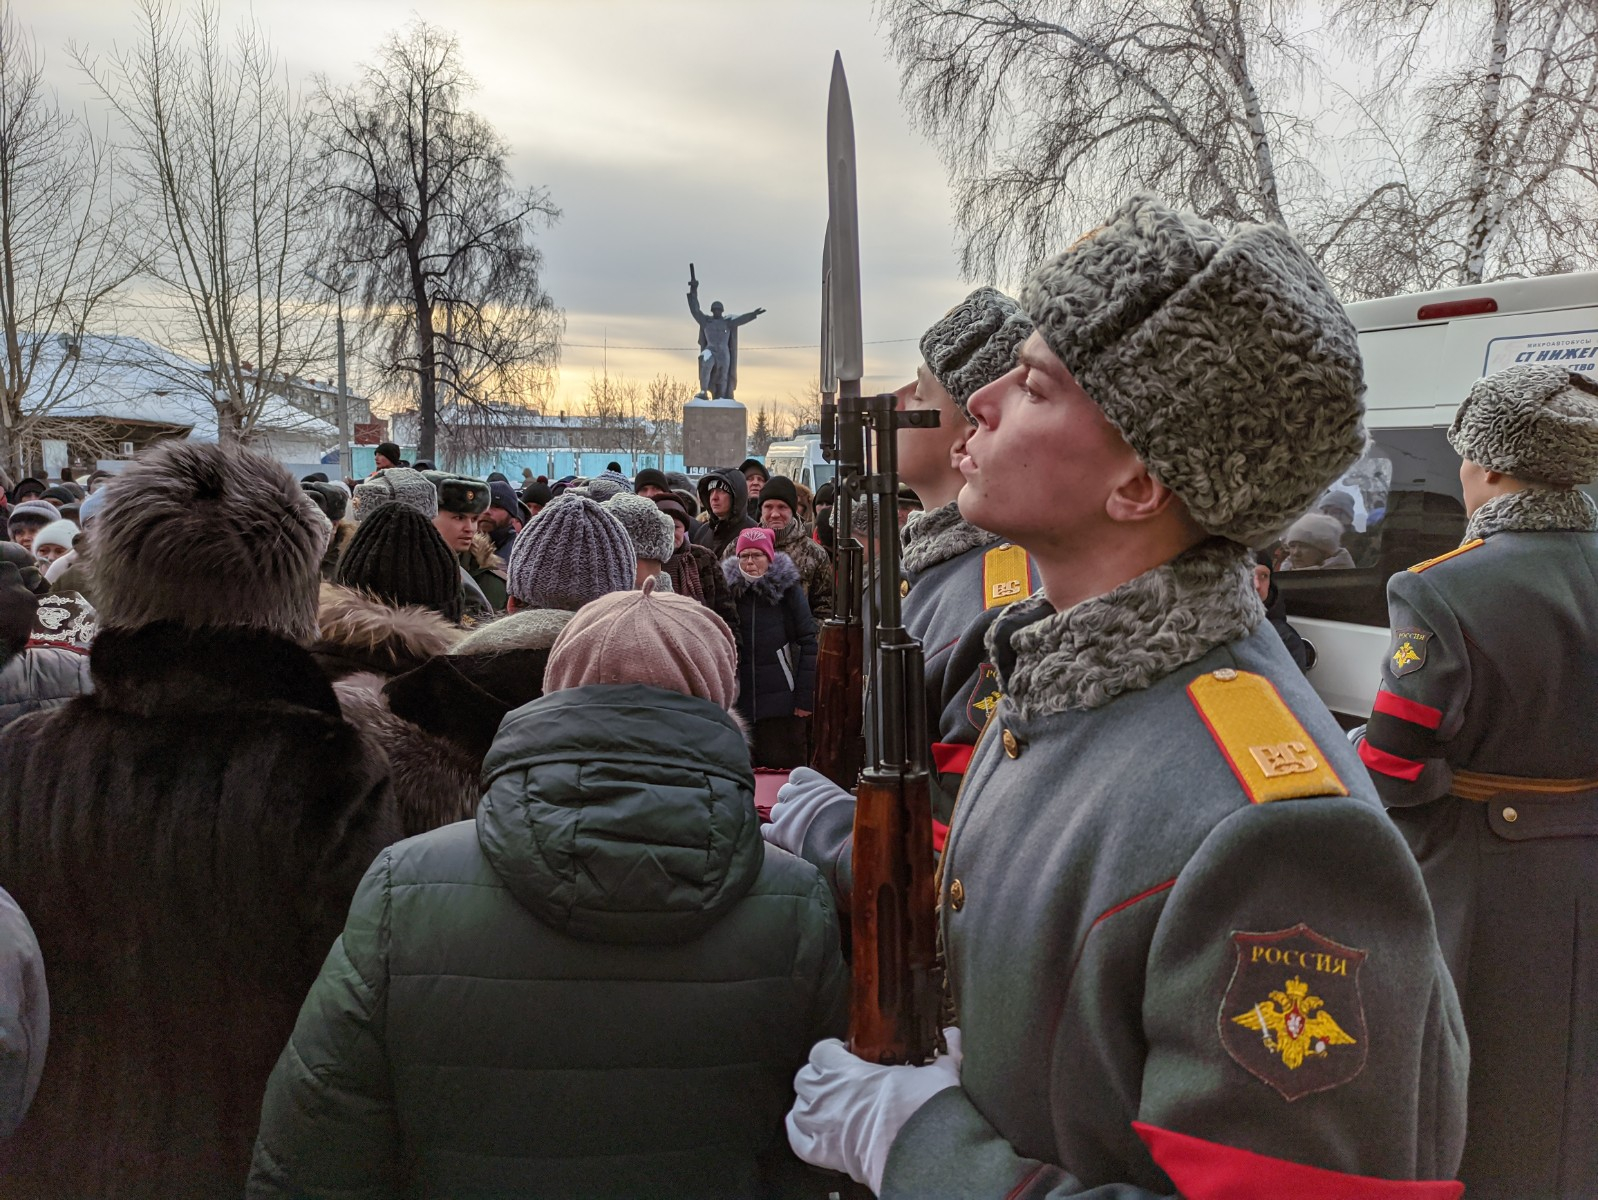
186	841
359	633
770	587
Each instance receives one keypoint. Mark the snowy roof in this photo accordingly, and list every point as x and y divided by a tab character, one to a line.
124	378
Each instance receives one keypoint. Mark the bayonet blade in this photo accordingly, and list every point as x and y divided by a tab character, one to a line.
844	230
829	371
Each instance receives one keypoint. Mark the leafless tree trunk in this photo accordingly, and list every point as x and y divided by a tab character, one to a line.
441	237
663	404
1047	112
63	251
218	150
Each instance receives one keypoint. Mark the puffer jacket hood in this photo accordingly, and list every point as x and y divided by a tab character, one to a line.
621	813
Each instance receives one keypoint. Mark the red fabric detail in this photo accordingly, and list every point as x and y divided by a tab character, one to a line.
1389	764
767	783
1209	1171
1412	711
1125	904
951	758
940	834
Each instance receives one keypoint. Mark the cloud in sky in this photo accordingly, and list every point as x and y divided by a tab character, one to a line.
667	132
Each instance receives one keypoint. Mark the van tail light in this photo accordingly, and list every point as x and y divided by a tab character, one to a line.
1456	308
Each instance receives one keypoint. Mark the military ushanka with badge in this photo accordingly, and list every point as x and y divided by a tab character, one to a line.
1483	741
1179	973
958	578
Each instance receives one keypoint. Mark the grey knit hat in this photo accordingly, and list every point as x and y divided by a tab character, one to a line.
572	552
1537	423
650	529
1224	360
397	485
603	486
38	513
974	343
207	537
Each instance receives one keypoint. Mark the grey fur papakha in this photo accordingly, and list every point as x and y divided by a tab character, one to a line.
1533	423
974	343
1224	360
207	537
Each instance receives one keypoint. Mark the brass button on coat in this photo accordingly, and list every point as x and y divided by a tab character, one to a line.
1511	815
1012	745
957	895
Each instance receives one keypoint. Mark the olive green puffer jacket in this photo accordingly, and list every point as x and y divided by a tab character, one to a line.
602	988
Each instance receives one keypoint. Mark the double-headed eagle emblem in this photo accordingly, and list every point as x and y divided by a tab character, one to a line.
1294	1024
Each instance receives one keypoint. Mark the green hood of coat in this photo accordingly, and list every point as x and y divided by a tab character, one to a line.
621	813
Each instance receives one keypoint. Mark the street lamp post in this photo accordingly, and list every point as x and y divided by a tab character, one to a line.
346	453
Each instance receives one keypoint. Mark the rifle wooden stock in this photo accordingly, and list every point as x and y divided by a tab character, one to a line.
840	698
894	998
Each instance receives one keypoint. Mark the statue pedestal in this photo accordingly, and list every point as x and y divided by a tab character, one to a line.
715	433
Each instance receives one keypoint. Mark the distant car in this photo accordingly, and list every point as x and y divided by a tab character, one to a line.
800	460
1422	354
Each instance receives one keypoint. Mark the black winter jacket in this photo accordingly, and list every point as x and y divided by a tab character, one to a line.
41	677
724	533
185	841
776	641
602	988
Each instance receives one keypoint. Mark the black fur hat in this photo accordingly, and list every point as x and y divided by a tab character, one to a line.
206	537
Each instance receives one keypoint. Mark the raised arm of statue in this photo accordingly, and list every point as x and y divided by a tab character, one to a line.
747	317
693	302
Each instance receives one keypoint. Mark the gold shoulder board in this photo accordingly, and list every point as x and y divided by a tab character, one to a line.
1442	558
1006	576
1263	742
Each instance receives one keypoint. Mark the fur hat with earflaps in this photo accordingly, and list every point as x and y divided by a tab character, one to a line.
974	343
208	537
1537	423
1223	358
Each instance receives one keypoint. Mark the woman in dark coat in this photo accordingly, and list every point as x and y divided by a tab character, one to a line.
776	649
601	988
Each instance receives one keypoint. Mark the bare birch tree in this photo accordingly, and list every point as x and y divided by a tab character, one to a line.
1048	112
449	275
1484	123
64	254
218	151
664	398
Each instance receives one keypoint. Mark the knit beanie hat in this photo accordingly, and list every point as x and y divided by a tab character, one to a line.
1224	360
56	533
34	513
650	477
647	637
649	528
753	464
1537	423
389	451
760	539
605	485
571	552
208	536
396	485
780	487
1316	529
974	343
398	556
536	493
675	511
690	502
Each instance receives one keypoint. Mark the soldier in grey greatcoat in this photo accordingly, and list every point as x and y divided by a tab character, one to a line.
1188	951
1483	742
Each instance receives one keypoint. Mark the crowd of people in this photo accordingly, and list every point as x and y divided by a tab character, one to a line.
397	837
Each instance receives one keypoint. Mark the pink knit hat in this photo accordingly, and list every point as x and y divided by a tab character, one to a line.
760	539
662	640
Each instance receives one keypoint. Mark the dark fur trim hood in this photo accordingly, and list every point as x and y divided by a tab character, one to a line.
358	632
770	587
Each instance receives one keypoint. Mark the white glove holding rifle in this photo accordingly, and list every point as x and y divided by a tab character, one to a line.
805	796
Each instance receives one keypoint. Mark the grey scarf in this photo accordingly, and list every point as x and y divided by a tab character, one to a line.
938	535
1138	633
1534	510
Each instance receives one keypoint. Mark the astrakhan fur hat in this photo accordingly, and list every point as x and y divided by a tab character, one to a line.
208	537
1224	360
1537	423
974	343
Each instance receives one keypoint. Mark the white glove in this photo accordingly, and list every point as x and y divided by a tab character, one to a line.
848	1111
799	802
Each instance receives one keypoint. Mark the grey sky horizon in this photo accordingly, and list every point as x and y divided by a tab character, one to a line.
667	132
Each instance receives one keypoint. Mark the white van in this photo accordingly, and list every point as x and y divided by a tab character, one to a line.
1422	354
800	460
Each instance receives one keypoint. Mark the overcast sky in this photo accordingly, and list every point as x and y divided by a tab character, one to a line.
667	131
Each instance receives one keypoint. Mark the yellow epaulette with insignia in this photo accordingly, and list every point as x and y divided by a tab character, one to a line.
1442	558
1266	747
1006	576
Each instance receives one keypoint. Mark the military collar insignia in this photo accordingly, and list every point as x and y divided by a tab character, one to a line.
1408	652
1006	576
984	697
1292	1015
1534	510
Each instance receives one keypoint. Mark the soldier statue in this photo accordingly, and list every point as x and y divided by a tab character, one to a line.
718	344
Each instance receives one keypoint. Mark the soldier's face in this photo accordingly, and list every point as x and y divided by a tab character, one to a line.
925	454
457	529
1043	460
